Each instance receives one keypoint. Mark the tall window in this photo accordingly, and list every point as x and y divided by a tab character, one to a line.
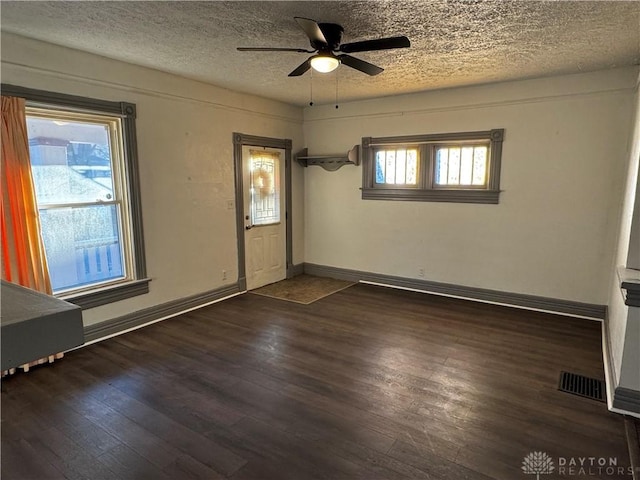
84	168
75	161
456	167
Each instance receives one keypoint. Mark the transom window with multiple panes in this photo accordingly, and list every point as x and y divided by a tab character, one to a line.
457	167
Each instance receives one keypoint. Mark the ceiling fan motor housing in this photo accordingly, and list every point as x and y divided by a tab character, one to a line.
332	33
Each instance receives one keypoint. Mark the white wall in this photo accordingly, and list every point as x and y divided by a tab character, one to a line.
565	157
185	154
563	168
623	324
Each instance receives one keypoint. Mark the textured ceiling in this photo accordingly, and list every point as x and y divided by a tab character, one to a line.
454	43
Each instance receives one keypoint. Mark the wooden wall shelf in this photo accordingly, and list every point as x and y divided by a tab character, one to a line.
329	162
630	285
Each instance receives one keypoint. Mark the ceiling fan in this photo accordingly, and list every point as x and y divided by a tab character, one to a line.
325	40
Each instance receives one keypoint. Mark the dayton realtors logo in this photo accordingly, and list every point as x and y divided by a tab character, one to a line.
537	463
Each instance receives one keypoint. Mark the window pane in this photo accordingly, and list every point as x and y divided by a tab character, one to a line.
461	166
454	167
442	166
397	167
71	160
265	188
480	166
412	167
83	245
466	166
391	166
401	165
380	163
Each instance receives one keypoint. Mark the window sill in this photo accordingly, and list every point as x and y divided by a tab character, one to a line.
104	296
453	196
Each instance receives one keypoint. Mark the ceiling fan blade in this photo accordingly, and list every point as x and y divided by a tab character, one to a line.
274	49
302	68
366	67
312	30
379	44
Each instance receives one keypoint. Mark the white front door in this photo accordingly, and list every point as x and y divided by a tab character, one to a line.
264	215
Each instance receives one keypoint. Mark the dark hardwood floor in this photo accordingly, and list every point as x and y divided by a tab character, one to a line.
367	383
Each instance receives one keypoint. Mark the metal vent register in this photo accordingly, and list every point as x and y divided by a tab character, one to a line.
582	386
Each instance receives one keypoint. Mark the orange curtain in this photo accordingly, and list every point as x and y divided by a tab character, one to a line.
23	257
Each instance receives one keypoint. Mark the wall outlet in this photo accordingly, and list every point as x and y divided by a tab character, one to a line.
421	273
230	205
224	274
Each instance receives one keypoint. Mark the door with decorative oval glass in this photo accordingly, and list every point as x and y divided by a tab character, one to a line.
264	210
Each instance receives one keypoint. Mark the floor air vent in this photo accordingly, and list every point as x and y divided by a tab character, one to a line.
582	386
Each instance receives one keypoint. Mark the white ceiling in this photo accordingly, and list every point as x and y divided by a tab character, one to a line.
454	43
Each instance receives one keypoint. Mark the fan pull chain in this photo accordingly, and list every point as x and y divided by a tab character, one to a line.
336	88
311	89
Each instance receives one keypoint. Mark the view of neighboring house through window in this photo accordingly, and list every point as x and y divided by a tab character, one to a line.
77	166
84	165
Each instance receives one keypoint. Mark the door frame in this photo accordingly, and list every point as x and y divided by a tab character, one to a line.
240	140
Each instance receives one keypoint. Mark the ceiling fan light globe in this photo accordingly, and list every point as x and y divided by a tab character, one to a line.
324	64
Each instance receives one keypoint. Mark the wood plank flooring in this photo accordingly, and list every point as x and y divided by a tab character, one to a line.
368	383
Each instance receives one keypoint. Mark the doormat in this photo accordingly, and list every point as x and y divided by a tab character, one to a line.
303	289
